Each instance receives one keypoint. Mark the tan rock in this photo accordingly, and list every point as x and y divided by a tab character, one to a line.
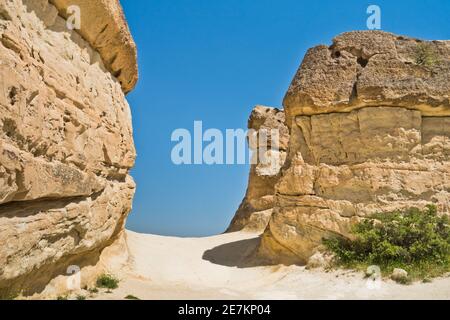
104	27
399	275
359	163
364	68
320	260
256	208
66	143
369	133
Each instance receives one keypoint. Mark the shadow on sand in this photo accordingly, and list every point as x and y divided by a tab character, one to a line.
241	254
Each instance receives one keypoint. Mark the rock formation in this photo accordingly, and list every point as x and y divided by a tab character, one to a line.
257	207
369	120
66	144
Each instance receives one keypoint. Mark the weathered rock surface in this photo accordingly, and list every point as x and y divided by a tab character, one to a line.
257	207
372	68
369	121
66	143
104	27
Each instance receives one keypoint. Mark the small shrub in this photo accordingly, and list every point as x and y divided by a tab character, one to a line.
131	297
414	240
62	298
404	281
93	290
425	55
11	296
107	281
81	297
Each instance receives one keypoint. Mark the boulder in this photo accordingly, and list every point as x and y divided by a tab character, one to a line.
320	260
399	275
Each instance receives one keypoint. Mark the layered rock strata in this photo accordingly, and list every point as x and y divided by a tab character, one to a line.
369	120
66	144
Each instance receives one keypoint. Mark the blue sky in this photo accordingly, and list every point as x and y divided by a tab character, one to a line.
213	60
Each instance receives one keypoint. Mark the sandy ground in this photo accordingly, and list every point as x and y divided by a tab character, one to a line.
216	268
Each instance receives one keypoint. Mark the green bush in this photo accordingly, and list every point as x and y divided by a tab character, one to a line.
131	297
414	240
107	281
425	55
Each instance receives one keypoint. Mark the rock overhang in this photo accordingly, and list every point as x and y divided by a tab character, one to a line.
104	27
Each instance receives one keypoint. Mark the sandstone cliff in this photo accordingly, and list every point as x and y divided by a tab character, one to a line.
66	144
369	120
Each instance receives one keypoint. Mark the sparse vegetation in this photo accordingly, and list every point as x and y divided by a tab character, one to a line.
81	297
417	241
405	281
107	281
62	298
427	280
93	290
12	296
131	297
425	55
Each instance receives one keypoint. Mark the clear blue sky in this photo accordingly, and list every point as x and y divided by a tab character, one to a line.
213	60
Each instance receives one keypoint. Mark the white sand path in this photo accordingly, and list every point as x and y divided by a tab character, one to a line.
216	268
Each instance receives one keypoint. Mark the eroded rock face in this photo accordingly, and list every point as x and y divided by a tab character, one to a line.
66	144
369	121
372	68
257	207
103	25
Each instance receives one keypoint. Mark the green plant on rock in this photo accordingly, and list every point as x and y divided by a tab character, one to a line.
425	55
415	240
107	281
